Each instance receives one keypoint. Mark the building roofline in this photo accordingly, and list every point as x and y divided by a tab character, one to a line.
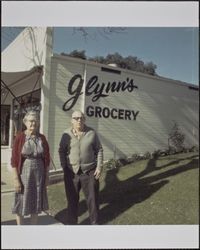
85	61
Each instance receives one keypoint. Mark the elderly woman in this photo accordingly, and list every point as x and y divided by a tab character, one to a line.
30	162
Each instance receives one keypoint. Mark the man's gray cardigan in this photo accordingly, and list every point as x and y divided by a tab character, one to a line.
85	153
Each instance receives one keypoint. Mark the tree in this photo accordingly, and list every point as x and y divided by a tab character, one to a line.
76	53
114	58
129	62
150	68
99	59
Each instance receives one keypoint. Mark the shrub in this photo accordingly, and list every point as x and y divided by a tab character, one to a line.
171	150
122	162
147	155
176	138
134	157
111	164
194	149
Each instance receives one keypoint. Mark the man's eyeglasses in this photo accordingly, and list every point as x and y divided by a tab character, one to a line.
77	118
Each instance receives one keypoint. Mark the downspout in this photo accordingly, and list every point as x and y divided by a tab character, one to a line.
84	87
11	130
45	84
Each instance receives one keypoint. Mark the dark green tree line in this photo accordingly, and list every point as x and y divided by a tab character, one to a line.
129	62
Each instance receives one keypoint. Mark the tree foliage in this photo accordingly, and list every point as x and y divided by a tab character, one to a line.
76	53
129	62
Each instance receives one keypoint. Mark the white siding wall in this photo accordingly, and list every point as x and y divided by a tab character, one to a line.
159	102
26	51
32	47
61	72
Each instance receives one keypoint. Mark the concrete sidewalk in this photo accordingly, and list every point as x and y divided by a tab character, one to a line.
7	197
7	218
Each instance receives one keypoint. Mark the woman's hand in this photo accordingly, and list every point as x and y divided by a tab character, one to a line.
17	185
17	181
46	180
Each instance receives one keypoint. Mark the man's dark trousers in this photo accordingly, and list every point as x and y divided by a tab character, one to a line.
90	186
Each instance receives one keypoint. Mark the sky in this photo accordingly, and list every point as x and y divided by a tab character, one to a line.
173	49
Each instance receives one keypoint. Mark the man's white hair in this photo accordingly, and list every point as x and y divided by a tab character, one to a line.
78	111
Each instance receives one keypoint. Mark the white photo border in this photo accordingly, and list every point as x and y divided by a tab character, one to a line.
100	13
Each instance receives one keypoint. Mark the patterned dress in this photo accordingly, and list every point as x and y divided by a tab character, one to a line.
33	199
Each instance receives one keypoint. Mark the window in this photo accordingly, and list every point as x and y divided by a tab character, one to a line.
5	124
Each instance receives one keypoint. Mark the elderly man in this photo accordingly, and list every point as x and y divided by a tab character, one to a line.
81	157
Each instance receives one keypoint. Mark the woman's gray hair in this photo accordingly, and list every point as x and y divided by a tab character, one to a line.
33	114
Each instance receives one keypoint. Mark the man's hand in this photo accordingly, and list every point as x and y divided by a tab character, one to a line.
97	173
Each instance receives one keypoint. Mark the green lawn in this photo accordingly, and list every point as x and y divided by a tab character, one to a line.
148	192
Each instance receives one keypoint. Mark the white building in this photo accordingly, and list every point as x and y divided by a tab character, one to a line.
131	111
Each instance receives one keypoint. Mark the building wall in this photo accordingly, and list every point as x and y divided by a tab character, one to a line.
26	51
59	120
32	47
155	104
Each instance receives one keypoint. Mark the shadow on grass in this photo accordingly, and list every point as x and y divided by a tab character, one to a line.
121	195
63	216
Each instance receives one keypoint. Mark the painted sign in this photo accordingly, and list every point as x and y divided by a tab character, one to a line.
99	90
